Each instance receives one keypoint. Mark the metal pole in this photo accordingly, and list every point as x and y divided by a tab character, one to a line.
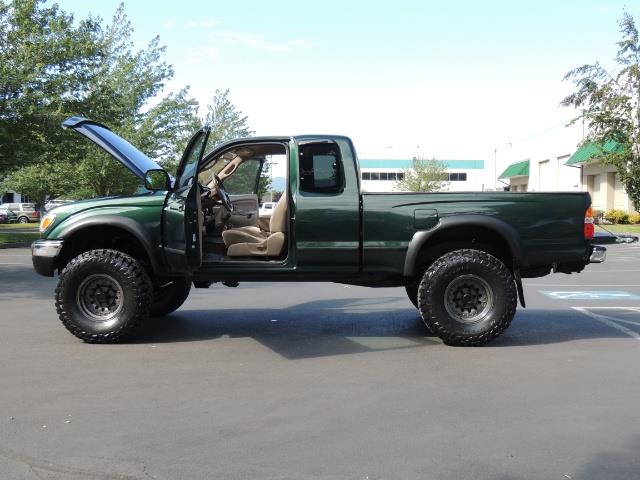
271	182
495	173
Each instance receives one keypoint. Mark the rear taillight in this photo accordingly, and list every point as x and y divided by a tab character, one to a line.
588	224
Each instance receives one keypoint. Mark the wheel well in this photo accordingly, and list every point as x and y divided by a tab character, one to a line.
103	237
454	238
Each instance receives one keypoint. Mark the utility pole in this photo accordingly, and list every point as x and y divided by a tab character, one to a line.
271	179
495	166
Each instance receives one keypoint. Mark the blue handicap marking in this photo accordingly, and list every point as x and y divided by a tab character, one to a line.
590	295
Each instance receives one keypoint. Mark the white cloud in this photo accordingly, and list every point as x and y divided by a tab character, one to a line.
256	41
200	24
170	24
299	43
197	55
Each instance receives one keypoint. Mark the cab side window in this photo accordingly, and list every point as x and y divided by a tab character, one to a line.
320	168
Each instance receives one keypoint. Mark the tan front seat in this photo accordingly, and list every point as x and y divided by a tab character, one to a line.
251	241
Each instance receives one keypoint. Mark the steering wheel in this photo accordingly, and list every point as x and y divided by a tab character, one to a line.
222	194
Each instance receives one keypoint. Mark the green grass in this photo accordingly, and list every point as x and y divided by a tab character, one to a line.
15	237
619	228
10	226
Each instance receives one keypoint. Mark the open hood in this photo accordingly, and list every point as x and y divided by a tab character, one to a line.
116	146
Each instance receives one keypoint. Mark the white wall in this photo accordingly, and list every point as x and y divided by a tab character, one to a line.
550	174
605	187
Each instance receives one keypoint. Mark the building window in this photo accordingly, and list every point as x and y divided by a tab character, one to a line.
383	176
458	177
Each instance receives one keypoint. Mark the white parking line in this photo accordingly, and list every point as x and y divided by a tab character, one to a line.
610	321
578	285
628	321
600	272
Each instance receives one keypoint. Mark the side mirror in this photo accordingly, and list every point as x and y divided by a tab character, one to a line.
157	180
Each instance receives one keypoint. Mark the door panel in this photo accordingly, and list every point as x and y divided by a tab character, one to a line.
327	207
245	212
182	215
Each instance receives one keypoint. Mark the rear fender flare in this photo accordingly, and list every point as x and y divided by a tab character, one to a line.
506	231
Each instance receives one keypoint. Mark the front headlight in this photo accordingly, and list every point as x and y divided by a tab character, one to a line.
47	221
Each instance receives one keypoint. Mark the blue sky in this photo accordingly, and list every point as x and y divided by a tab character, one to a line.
452	80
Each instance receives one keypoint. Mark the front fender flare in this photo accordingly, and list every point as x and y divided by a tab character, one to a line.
124	223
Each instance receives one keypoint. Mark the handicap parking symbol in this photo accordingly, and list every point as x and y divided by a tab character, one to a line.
590	295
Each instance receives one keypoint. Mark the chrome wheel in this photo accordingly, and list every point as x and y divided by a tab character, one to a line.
100	297
468	298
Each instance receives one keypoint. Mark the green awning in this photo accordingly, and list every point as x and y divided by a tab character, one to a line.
589	150
517	169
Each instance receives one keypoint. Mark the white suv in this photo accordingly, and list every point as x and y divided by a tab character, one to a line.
266	209
26	212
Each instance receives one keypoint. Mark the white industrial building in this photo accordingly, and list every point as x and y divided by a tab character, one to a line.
381	175
542	175
571	172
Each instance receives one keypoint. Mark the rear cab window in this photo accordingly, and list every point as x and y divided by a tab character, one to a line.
320	168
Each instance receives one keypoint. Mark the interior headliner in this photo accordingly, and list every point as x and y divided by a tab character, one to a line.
245	152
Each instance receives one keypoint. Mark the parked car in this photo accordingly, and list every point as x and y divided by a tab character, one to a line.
26	211
460	256
56	203
266	209
7	216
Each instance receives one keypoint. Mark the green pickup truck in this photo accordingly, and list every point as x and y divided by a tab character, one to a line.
460	256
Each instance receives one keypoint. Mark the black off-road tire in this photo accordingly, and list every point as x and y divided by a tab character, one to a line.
467	297
169	296
412	293
103	296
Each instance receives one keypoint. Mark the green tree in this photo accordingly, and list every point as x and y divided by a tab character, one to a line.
264	182
90	70
52	68
228	123
45	61
225	120
42	180
424	176
610	106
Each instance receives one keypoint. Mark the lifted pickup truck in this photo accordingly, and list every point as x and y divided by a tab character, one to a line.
460	256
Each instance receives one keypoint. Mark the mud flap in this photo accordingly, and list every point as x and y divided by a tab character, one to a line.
516	275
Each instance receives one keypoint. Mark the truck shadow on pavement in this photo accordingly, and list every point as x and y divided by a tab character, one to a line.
356	325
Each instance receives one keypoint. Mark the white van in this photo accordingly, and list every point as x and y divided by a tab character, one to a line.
266	209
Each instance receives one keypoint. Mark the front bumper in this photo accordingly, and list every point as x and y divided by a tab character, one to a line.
598	254
43	255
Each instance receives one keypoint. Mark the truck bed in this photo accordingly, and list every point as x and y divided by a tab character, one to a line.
547	228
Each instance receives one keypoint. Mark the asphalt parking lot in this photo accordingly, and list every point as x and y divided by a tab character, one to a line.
324	381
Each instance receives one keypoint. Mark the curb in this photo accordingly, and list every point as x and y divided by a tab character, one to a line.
15	245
